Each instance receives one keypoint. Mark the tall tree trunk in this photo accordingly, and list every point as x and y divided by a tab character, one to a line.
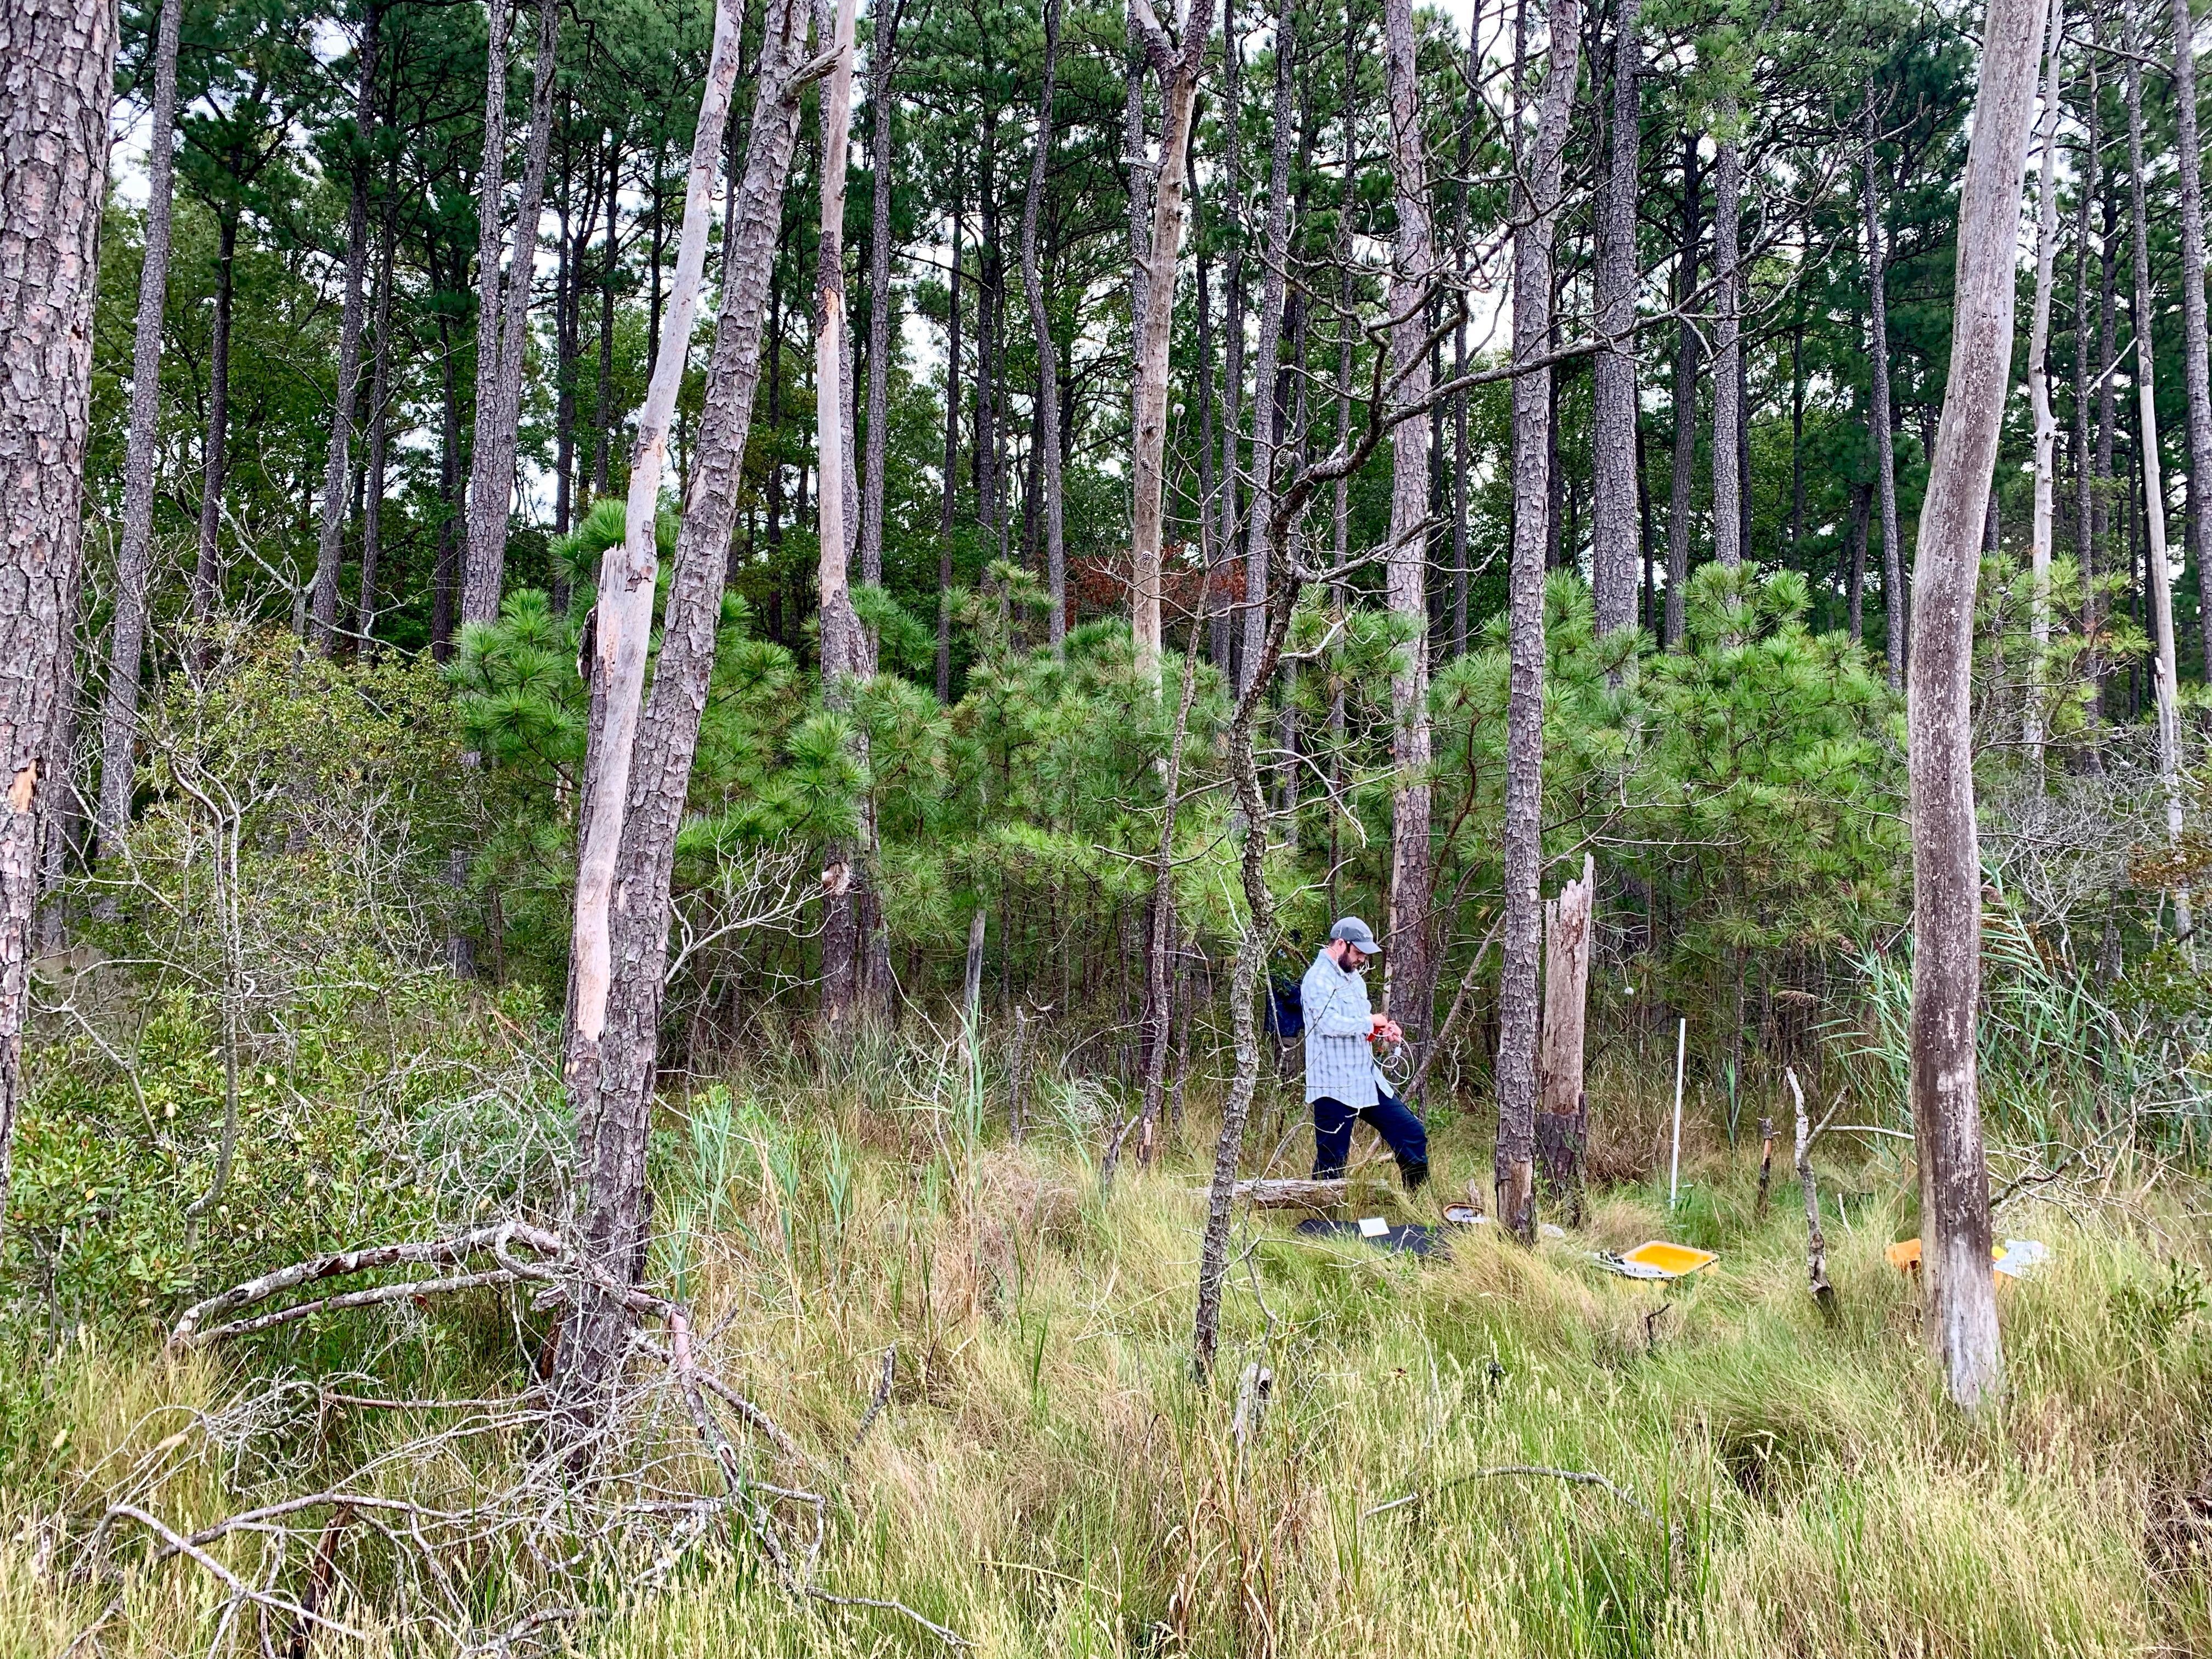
883	16
337	468
614	1096
1176	63
1728	343
2085	482
1947	929
503	318
1885	451
1681	506
2165	679
1535	217
452	532
2195	348
1612	371
1266	401
623	620
207	568
951	462
1047	424
53	175
134	556
1409	982
2039	389
380	433
609	420
1229	643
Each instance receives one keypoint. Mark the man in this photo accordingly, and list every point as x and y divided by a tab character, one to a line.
1342	1083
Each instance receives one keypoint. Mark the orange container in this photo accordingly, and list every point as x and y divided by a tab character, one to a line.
1673	1259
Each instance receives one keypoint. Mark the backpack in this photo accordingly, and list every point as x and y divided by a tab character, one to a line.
1286	1009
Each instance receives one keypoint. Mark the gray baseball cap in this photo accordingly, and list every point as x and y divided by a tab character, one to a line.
1356	931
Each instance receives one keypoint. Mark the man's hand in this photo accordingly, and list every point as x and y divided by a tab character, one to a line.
1385	1029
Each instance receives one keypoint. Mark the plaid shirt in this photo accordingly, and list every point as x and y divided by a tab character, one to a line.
1339	1064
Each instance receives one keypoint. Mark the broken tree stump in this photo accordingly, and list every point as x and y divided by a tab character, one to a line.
1562	1108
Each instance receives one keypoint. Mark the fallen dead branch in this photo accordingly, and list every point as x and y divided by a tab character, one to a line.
1574	1476
501	1520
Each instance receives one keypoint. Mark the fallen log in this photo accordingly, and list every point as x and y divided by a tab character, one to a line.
1292	1195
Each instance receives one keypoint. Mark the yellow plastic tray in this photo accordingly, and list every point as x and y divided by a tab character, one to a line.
1674	1260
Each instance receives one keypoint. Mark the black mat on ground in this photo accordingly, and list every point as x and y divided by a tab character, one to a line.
1414	1241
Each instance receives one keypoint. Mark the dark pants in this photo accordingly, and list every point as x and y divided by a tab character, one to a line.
1392	1120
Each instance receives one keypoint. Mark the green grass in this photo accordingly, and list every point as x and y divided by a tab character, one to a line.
1048	1478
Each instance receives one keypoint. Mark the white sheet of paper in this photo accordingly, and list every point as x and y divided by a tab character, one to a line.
1373	1226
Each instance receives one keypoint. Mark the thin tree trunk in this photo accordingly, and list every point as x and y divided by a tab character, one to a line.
1612	371
1047	423
1885	452
616	1097
2046	424
503	319
2085	485
608	419
1680	504
624	619
380	431
883	16
53	176
2166	690
952	463
1177	66
1409	982
1728	344
1954	1200
2194	349
1855	549
1267	426
1232	307
207	568
337	468
1535	215
134	559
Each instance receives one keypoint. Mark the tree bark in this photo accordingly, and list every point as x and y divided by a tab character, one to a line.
134	558
1568	922
1047	423
207	568
1728	344
2046	424
883	16
1954	1202
1612	371
1884	452
951	462
1178	64
337	467
623	618
1409	981
1229	644
503	318
1535	217
1266	402
2165	678
2196	377
60	56
380	433
1680	504
614	1089
608	419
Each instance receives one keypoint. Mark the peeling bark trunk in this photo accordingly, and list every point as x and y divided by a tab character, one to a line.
53	173
134	558
338	466
1884	452
1612	371
1954	1200
1535	214
1048	425
1409	976
1568	922
2166	690
1177	66
503	317
614	1092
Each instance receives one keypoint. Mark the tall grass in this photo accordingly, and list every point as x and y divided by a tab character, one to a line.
1047	1479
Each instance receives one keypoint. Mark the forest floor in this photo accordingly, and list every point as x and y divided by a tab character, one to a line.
1044	1478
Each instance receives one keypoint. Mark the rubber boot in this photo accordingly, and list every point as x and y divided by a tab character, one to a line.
1416	1175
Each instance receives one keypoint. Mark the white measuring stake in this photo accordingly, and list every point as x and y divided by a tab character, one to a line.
1674	1169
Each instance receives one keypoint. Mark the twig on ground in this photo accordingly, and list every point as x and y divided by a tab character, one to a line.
1576	1477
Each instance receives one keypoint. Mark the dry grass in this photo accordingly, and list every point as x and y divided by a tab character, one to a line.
1046	1480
